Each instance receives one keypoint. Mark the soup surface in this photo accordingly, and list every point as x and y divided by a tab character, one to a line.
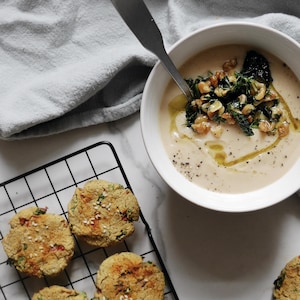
231	162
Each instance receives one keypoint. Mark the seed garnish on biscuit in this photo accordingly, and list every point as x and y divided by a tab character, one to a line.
126	276
38	243
102	213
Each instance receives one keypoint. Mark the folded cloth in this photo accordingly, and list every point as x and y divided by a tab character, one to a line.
74	63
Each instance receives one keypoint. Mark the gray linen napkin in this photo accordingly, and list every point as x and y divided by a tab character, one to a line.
74	63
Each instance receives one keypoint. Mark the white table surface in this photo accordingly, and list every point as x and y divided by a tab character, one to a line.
209	255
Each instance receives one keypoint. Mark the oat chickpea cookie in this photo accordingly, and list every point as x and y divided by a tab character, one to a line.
38	243
126	276
287	284
59	293
102	213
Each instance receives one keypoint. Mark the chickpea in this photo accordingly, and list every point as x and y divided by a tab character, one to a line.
204	87
242	98
220	75
214	81
247	109
197	102
201	119
229	64
259	90
283	129
220	92
228	117
201	127
265	126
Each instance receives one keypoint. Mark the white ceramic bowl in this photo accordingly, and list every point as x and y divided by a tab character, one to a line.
251	34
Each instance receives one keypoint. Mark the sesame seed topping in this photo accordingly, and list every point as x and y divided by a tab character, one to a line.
125	297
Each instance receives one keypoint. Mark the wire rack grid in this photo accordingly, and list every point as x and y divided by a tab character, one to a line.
52	185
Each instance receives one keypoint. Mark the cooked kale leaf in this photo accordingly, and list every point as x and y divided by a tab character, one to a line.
256	65
243	122
279	281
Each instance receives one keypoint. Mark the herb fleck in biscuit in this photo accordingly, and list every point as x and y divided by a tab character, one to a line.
102	213
287	284
38	243
59	293
126	276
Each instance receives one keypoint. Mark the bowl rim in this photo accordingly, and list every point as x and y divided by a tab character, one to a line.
224	202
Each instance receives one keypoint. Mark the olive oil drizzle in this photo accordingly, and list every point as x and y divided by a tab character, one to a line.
177	106
220	156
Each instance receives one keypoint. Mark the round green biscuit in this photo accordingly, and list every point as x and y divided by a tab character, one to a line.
126	276
38	243
102	213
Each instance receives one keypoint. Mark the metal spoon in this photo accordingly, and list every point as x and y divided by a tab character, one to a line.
138	18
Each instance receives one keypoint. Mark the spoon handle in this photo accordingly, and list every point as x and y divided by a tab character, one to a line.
138	18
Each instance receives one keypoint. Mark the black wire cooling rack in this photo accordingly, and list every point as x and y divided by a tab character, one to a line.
53	185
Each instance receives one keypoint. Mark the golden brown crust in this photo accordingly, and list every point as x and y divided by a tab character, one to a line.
126	276
38	243
58	293
102	213
287	284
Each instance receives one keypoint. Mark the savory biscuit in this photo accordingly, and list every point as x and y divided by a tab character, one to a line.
126	276
102	213
59	293
38	243
287	284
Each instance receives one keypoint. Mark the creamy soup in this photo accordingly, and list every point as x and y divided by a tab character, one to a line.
231	162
